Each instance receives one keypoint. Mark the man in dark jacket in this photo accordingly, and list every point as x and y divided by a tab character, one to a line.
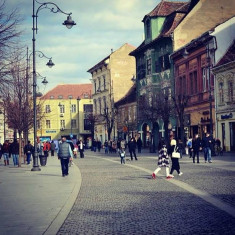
196	147
132	147
14	150
207	144
28	150
64	154
52	148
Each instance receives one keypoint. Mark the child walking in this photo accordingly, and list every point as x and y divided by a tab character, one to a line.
163	159
122	155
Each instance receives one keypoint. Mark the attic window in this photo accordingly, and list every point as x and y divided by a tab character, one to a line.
86	96
60	97
70	96
148	28
51	97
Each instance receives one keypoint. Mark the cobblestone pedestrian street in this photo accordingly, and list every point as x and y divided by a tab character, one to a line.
123	199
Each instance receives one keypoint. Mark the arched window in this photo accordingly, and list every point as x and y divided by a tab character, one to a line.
230	91
221	92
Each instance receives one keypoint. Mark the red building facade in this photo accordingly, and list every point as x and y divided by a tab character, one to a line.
194	80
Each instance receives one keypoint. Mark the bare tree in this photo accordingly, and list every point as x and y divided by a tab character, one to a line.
109	117
155	106
180	102
165	109
9	33
17	110
148	111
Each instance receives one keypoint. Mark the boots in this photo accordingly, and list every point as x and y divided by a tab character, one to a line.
5	162
167	171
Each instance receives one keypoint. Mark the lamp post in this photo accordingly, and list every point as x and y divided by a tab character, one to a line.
69	23
78	100
210	91
71	128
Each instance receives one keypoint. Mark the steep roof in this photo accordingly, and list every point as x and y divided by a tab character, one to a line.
165	8
103	61
66	90
229	55
168	27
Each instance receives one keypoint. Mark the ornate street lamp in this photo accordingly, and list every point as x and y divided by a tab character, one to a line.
69	23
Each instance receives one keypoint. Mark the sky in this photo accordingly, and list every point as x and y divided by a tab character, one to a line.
102	25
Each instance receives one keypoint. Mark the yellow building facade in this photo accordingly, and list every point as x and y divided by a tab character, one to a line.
64	111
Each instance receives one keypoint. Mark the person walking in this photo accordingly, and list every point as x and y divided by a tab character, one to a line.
94	145
122	155
81	147
106	147
118	145
123	144
175	161
132	147
99	145
28	150
163	159
14	150
69	140
64	154
207	144
196	147
189	146
139	144
5	152
46	148
52	148
0	151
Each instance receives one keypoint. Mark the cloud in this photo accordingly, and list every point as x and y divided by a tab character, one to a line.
101	25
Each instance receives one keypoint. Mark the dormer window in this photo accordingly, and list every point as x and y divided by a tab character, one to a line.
60	97
148	28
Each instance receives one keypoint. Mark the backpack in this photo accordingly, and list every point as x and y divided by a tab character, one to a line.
189	144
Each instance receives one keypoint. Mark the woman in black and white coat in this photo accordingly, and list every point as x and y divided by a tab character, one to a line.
163	159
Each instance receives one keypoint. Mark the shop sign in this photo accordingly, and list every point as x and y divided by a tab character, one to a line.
227	116
50	131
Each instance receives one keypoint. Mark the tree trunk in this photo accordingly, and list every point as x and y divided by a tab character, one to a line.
20	147
166	136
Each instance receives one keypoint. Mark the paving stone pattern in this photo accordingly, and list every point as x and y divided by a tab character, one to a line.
116	199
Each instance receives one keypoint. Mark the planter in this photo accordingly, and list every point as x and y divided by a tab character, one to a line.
43	160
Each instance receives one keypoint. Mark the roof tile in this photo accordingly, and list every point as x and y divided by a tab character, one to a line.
66	90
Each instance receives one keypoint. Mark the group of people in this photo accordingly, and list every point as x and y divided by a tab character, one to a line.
12	149
8	150
132	144
165	153
194	145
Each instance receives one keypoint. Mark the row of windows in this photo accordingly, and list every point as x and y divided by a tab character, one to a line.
85	96
190	85
128	114
161	64
100	84
100	105
86	108
226	95
87	124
